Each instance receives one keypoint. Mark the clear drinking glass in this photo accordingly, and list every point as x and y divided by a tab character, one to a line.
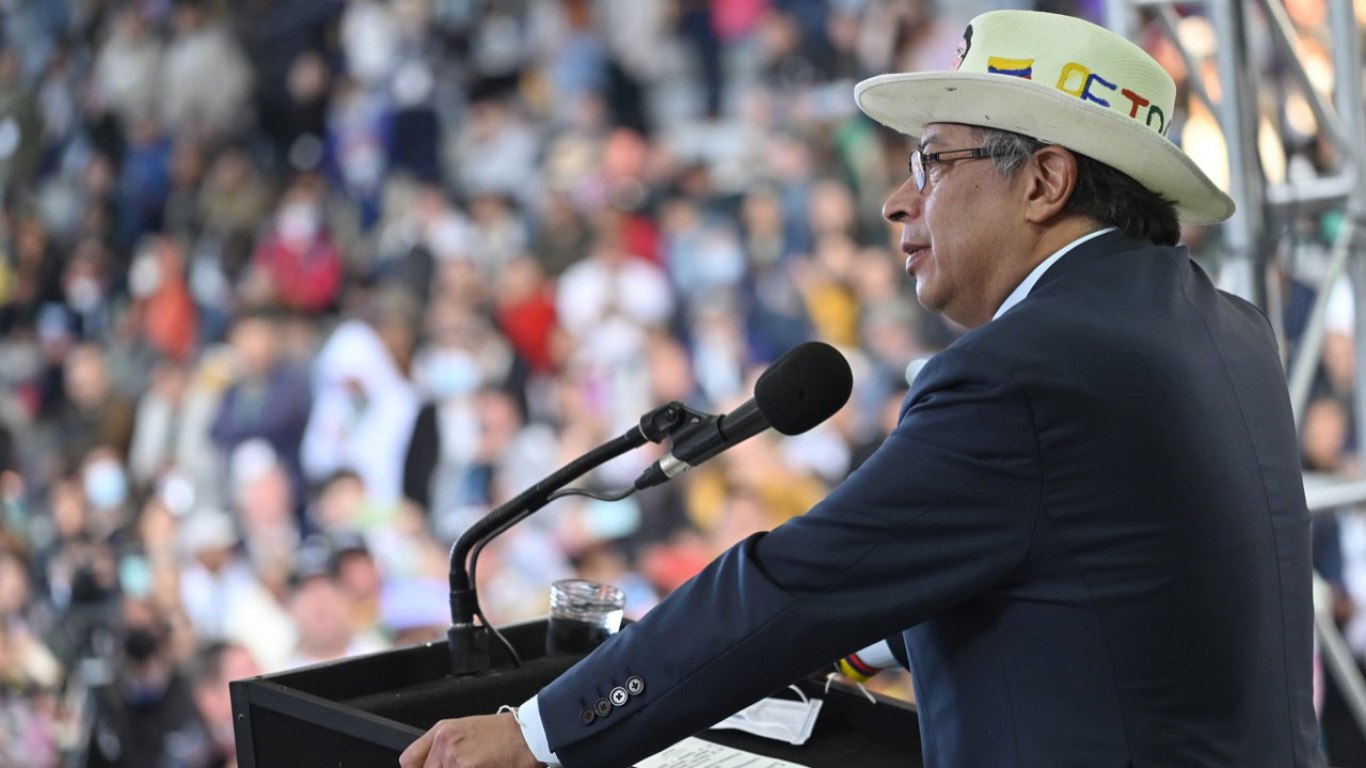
583	614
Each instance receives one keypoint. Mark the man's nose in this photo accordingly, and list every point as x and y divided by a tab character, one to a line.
903	204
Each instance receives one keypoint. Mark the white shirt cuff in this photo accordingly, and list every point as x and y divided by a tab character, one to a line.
878	655
529	717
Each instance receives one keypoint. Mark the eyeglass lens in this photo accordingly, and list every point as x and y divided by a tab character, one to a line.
918	169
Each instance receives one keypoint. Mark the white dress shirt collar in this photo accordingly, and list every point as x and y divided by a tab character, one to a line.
1026	285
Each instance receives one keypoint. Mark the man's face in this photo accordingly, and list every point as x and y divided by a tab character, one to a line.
319	610
957	233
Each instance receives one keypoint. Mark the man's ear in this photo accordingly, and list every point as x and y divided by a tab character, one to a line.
1051	179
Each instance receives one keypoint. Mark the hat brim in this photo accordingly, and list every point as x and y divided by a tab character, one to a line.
907	102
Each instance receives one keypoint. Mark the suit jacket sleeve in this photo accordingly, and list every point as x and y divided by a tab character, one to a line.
943	511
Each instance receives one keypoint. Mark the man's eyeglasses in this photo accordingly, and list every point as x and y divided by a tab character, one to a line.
919	160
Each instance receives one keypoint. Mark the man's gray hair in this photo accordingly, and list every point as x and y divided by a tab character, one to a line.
1102	193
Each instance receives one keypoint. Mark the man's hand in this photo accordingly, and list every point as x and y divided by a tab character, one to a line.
486	741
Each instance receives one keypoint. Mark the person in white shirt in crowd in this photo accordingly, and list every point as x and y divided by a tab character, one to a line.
222	595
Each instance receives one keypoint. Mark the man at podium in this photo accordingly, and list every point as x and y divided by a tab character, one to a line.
1088	529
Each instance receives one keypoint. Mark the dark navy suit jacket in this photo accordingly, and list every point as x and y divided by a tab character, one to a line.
1090	516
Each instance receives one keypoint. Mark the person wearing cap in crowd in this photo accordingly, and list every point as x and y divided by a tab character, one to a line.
223	597
360	580
1088	529
319	605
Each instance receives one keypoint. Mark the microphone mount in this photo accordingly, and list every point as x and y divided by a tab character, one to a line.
691	424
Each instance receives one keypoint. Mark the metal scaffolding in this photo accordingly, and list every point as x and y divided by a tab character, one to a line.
1251	262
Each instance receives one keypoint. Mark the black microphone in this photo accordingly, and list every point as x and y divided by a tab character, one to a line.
804	387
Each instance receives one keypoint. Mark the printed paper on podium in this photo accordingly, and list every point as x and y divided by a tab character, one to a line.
695	753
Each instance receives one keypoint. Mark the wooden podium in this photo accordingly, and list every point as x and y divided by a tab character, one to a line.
365	711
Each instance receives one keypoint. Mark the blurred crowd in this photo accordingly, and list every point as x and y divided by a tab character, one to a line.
293	291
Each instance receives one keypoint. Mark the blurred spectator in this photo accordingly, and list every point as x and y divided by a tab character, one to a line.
27	663
360	579
495	151
297	263
439	466
911	35
575	55
702	251
525	310
318	604
92	413
163	312
339	503
824	282
77	571
171	437
233	202
445	468
127	67
209	672
202	51
369	41
611	287
269	397
517	452
278	37
564	235
498	234
142	717
20	125
357	141
263	499
35	267
635	31
1339	557
143	184
30	678
86	284
397	538
155	436
181	219
363	402
107	494
222	595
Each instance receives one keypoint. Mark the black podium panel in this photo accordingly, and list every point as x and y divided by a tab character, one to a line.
365	711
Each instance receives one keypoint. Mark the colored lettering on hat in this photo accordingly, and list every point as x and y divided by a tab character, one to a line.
1078	80
1073	79
1135	101
1161	119
999	65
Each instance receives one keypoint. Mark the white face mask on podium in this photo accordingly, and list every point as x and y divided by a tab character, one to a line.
778	719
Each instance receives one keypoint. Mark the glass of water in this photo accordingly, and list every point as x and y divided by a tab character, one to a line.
583	614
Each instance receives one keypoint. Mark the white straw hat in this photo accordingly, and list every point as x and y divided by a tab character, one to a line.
1064	81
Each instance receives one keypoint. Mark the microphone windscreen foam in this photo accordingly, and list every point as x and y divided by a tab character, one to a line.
804	387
